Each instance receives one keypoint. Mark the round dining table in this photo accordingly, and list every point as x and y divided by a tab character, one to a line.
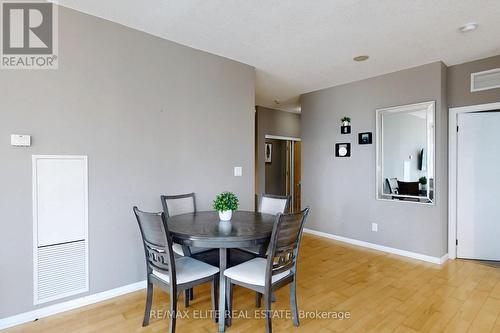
204	229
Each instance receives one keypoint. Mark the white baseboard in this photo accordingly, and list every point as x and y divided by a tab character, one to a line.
434	260
69	305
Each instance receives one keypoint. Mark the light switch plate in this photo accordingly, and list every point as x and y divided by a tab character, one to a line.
20	140
238	171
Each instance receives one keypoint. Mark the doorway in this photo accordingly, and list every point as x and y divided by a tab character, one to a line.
478	184
283	168
474	183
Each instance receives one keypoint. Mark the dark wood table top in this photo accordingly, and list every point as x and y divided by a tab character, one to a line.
204	229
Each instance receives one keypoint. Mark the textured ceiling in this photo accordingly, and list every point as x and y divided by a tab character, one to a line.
299	46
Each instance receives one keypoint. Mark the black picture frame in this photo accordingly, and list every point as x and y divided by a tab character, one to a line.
345	129
339	146
365	138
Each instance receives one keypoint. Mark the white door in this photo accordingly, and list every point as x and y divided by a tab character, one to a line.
478	186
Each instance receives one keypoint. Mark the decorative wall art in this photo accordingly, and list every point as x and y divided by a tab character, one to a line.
343	150
346	125
269	153
365	138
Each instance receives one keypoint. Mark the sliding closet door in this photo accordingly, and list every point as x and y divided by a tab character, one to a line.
60	218
478	186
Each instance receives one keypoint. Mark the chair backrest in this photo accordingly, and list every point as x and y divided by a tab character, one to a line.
285	241
178	204
392	184
274	204
157	243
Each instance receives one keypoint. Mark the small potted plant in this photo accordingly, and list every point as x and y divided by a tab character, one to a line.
346	125
423	182
225	203
346	121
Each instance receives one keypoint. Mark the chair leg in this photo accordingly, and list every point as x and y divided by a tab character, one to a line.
186	298
149	301
293	302
173	310
229	298
258	296
191	294
214	296
267	306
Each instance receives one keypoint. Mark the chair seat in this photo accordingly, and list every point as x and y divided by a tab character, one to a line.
177	248
188	269
253	272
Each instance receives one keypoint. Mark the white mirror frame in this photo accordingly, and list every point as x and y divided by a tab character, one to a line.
430	108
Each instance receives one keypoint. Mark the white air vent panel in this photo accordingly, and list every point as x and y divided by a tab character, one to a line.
62	270
485	80
60	227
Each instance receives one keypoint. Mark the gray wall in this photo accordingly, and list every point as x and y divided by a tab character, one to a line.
153	117
341	191
271	122
459	93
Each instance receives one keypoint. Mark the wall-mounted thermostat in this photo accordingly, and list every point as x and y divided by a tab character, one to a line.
20	140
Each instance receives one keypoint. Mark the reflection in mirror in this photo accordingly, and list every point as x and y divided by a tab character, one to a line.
405	153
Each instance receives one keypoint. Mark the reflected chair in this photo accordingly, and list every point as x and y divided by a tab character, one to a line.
392	185
171	274
279	269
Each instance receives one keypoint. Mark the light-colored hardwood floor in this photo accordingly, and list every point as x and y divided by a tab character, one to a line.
382	292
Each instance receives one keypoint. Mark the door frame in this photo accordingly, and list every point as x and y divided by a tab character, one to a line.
280	137
452	168
291	171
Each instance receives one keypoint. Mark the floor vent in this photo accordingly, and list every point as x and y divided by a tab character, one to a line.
61	271
485	80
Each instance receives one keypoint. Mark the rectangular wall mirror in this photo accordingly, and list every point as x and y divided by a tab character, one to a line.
405	153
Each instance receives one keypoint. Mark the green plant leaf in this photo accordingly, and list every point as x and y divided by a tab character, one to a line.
226	201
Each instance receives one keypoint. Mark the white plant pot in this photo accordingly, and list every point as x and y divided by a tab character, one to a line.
226	215
346	123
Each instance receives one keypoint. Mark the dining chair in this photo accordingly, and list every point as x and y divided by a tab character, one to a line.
274	204
270	204
176	205
169	273
279	269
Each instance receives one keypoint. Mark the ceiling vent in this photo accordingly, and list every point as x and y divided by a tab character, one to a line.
485	80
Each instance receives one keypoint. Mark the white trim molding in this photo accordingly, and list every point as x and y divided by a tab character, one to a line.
430	119
69	305
280	137
452	169
414	255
